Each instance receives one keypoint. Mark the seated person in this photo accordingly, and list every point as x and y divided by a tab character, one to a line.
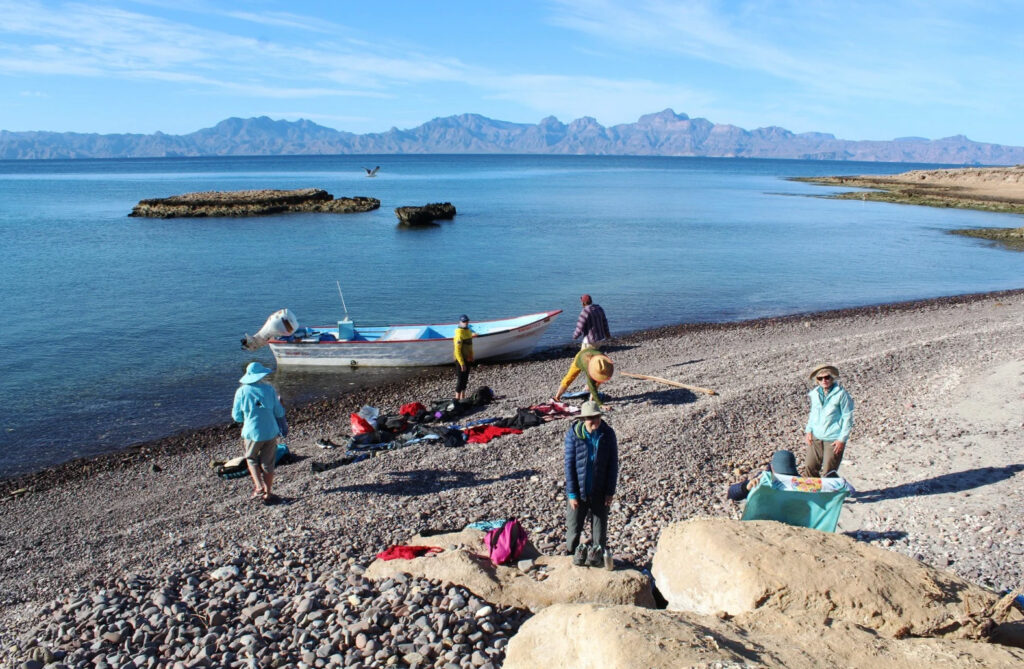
783	462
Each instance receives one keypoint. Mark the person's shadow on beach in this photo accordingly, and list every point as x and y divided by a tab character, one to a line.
955	482
615	348
688	362
569	351
428	481
870	535
671	396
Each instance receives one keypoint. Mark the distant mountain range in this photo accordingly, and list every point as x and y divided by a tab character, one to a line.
663	134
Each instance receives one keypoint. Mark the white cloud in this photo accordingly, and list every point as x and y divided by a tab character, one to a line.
286	20
889	51
82	40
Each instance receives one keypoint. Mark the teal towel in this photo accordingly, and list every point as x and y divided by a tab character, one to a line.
775	498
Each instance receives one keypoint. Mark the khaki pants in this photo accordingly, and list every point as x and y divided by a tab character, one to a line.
822	459
261	453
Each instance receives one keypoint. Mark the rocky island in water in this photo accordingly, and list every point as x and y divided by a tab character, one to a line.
251	203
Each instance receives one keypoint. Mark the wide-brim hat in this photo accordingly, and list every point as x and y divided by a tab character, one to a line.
590	408
600	368
784	462
832	369
254	372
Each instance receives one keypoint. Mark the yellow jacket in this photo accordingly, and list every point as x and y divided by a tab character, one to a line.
463	346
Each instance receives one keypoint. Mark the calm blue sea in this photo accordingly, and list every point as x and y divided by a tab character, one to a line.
118	329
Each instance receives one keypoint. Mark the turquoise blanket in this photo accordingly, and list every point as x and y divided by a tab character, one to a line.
800	501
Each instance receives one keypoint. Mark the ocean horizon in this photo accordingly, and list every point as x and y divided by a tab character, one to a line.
122	330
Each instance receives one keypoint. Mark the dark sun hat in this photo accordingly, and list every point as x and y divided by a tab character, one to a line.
784	462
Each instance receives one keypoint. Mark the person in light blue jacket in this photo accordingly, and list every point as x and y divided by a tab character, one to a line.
829	423
261	413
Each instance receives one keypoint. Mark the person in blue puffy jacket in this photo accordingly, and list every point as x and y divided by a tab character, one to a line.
591	473
258	408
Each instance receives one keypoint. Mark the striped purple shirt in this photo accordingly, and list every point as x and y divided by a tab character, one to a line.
592	324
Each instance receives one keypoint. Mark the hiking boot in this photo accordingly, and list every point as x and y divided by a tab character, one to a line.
595	558
579	558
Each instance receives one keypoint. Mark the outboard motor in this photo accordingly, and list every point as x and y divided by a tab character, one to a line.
280	324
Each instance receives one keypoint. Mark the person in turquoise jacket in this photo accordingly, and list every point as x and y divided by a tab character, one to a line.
258	408
829	423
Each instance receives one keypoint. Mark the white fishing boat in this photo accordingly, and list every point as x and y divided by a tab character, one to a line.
345	345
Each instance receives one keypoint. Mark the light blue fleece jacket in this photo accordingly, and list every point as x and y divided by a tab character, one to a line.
831	417
257	407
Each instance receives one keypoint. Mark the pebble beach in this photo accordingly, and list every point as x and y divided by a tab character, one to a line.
146	558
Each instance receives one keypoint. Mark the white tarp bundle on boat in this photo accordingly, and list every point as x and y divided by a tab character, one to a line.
281	323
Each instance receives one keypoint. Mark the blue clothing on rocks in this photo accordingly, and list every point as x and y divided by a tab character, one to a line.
831	417
591	462
257	407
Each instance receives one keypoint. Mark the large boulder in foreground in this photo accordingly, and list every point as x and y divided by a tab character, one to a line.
425	215
251	203
589	636
548	580
709	565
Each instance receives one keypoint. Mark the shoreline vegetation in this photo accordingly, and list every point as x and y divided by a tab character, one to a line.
995	189
146	553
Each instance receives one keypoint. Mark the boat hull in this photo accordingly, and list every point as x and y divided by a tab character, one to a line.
500	345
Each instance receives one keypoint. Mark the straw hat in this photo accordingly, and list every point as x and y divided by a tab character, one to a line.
831	369
590	408
600	368
254	372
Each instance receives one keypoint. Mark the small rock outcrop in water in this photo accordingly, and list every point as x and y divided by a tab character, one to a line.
425	215
251	203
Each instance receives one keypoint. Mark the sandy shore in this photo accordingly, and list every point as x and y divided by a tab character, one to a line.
997	189
935	457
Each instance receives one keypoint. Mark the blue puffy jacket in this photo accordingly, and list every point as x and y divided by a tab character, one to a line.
591	475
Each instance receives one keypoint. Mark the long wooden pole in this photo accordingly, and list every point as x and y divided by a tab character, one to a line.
676	384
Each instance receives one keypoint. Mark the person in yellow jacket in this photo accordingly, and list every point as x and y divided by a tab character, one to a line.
596	367
463	340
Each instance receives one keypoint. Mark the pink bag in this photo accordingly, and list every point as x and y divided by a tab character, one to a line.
506	543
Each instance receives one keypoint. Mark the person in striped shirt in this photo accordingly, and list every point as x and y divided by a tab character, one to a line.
592	324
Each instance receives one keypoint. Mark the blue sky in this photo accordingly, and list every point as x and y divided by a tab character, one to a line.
860	70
